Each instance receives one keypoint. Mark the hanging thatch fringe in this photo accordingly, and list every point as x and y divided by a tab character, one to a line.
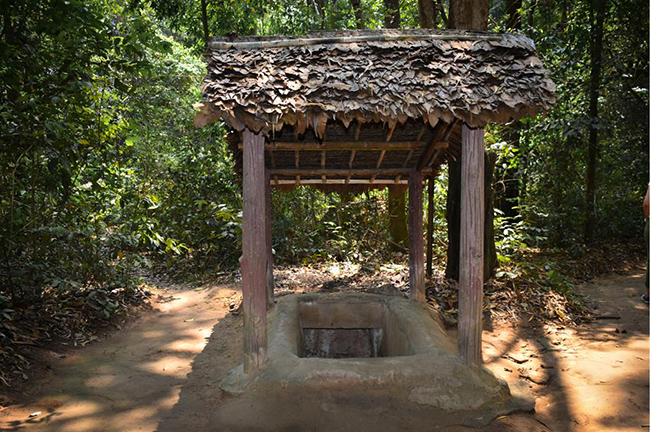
373	76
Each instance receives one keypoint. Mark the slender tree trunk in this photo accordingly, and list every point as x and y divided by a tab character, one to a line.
489	246
320	9
204	21
531	13
513	14
430	211
440	11
392	18
598	9
426	9
453	220
358	14
397	217
468	14
509	202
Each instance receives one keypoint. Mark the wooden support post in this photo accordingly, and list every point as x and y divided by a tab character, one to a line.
270	282
470	296
430	208
416	237
254	252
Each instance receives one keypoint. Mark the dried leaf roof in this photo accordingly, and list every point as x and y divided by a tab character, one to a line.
389	76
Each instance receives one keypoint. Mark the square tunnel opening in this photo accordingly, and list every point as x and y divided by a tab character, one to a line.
350	330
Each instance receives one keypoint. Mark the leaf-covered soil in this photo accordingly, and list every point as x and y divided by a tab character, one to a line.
162	371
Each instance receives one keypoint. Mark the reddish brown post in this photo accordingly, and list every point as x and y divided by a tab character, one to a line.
254	252
416	238
270	282
430	208
470	296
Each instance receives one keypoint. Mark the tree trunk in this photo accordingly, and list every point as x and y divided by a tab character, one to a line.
426	13
513	14
392	17
397	217
320	9
430	211
468	14
510	199
489	246
204	21
597	9
358	14
453	220
531	13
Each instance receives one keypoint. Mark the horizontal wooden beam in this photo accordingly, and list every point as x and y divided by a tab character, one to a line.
455	36
344	145
342	172
337	182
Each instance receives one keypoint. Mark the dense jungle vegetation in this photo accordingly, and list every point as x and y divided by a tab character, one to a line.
102	173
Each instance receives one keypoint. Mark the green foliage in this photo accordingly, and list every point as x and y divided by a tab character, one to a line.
312	226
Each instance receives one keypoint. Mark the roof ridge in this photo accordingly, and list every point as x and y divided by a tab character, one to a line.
302	41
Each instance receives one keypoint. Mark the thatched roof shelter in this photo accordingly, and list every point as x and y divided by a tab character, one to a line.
367	109
406	88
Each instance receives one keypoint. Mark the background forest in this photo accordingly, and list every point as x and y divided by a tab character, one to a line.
103	176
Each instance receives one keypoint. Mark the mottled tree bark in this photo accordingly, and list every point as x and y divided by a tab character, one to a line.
468	14
426	13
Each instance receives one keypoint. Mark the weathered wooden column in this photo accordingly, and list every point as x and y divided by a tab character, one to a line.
254	260
430	209
470	296
270	282
416	238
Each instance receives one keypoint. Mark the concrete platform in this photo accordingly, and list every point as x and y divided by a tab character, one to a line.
416	370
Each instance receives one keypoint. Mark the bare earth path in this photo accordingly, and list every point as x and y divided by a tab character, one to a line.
162	373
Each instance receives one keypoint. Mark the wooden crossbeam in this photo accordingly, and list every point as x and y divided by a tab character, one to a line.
338	181
341	172
297	158
343	145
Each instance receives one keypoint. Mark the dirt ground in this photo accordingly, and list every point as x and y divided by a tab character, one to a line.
161	373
